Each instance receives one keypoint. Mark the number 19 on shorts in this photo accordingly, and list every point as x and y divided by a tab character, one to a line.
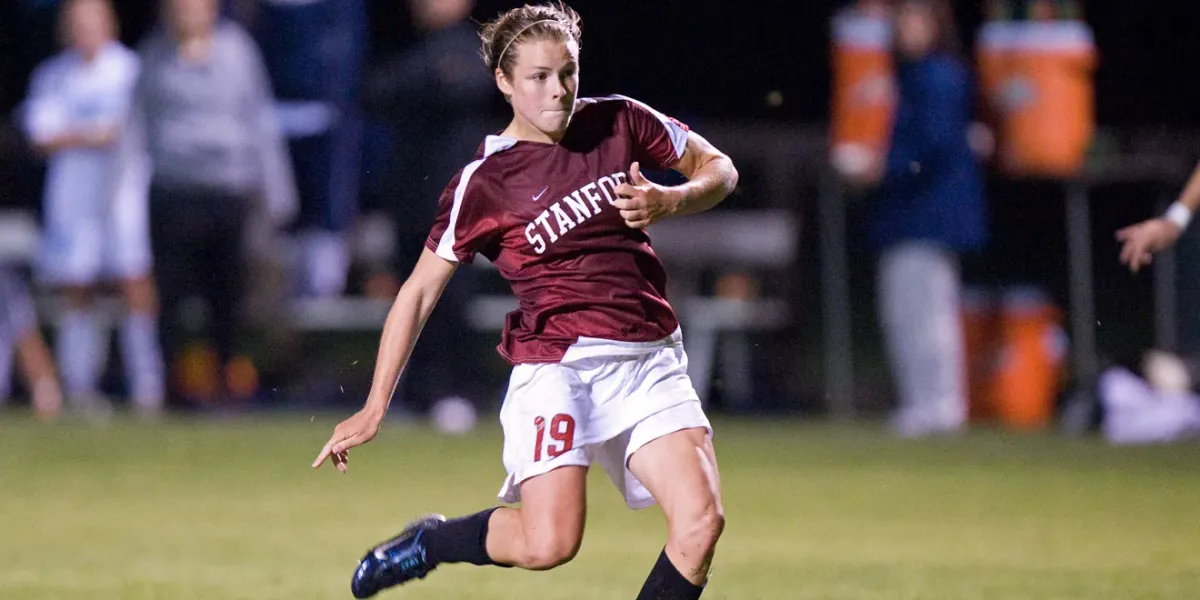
562	434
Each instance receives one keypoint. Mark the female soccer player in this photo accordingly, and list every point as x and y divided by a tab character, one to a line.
1139	242
558	203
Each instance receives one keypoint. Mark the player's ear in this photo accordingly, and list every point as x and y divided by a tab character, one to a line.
503	83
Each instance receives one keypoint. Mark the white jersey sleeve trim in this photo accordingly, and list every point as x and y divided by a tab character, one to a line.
675	130
492	145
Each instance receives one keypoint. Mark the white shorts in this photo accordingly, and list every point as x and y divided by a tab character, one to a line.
88	239
82	253
596	409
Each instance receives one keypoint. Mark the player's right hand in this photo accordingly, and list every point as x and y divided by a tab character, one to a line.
1139	242
359	429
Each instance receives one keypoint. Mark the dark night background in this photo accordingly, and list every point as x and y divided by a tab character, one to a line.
718	58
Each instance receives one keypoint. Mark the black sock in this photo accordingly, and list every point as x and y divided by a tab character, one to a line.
461	540
667	583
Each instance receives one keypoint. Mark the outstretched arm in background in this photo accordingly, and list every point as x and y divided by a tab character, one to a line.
1139	242
410	310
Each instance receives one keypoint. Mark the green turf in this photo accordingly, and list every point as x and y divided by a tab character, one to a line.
230	510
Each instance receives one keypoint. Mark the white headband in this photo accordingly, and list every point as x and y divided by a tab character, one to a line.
500	58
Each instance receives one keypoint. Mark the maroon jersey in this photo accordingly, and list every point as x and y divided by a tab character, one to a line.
542	214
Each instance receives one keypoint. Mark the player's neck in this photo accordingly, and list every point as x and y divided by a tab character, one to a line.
520	130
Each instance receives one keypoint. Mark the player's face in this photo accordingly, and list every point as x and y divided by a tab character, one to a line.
89	26
191	17
543	85
916	29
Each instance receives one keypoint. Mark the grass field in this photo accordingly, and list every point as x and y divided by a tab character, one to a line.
230	510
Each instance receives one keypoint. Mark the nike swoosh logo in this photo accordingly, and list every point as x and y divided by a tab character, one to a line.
540	194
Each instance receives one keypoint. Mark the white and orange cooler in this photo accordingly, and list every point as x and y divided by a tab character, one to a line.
863	90
1037	81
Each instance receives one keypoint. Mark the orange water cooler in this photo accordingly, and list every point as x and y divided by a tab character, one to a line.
1030	361
979	330
863	90
1016	353
1037	82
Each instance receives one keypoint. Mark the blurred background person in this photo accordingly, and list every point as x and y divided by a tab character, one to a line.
203	116
77	103
437	104
21	339
928	208
314	53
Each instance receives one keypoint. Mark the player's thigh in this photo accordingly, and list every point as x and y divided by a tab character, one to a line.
680	471
545	418
554	511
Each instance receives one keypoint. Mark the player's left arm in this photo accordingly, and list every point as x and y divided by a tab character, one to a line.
710	173
711	177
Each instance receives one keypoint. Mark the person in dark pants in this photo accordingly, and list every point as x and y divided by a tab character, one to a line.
197	238
314	53
927	211
202	120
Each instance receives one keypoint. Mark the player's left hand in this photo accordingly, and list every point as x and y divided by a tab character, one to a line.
643	202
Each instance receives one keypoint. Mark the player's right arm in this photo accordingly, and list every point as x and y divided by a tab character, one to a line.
409	312
466	224
1139	242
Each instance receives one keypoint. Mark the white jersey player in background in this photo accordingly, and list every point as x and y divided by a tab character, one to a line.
96	229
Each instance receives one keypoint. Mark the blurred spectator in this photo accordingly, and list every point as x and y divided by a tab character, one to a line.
928	208
77	103
437	98
314	53
19	336
204	117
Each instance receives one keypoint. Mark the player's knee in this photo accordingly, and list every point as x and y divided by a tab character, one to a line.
80	297
547	552
699	528
142	298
